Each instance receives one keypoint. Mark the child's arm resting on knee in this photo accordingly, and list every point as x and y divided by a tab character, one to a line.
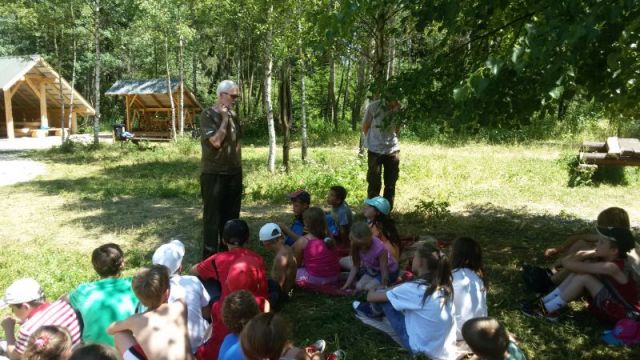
375	296
575	263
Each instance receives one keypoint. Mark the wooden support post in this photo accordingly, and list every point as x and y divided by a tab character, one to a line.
44	120
74	123
8	112
126	105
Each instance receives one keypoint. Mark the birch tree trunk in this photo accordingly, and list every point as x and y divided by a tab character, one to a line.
96	36
271	163
345	98
60	95
181	86
303	110
285	111
73	86
331	93
169	90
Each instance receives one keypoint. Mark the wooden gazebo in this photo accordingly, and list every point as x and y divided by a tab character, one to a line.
148	106
31	104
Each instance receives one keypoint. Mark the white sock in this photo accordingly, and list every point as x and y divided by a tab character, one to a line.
555	304
551	295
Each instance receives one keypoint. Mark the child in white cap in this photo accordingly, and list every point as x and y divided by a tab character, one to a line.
185	287
283	271
27	302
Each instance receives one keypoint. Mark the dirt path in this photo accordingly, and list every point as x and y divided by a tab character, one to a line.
15	169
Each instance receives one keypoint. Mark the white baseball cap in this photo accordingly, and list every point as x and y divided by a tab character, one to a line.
270	231
169	255
22	291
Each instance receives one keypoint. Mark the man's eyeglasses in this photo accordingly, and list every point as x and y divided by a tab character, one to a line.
233	96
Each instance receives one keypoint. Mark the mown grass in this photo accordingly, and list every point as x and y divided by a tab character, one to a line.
513	199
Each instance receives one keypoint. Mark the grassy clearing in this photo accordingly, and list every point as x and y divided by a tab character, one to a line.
513	199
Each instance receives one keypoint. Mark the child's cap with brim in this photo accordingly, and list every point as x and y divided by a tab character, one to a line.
22	291
169	255
269	231
300	195
621	236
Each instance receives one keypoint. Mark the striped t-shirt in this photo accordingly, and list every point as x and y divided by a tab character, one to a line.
58	313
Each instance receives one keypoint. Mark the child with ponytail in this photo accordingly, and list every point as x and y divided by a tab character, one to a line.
48	343
421	312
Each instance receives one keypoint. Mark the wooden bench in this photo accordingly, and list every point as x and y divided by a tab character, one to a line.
614	151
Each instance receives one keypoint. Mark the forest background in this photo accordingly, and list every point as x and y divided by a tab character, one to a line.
494	70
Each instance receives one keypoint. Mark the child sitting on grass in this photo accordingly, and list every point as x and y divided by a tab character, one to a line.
187	288
420	312
599	273
94	352
376	211
300	201
318	264
48	343
237	310
236	269
340	213
160	332
469	287
109	299
267	336
27	302
488	340
284	268
371	261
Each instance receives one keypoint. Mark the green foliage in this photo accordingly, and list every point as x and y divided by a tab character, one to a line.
579	174
433	210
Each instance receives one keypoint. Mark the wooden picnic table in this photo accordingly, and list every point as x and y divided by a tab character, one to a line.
614	151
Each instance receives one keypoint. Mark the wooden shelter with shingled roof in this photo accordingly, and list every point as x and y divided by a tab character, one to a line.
31	104
148	106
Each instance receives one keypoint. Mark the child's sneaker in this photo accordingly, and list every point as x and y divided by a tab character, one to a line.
537	309
365	309
317	346
337	355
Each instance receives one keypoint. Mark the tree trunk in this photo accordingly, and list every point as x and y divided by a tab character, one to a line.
337	106
392	55
285	111
73	86
181	86
331	95
303	110
60	95
380	53
267	95
358	98
345	98
96	35
169	90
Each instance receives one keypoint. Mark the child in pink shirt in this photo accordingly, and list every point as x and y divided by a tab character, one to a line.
319	263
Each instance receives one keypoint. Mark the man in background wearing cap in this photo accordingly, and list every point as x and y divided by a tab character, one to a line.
381	133
27	302
186	288
221	178
107	300
284	268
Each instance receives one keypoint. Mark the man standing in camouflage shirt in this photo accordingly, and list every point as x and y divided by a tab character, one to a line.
221	177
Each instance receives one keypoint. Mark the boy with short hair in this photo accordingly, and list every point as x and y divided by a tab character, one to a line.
489	340
236	269
601	274
185	287
109	299
284	268
28	304
237	309
160	332
340	212
300	201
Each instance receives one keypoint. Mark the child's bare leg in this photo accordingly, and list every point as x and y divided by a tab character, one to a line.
124	340
559	276
363	283
346	263
577	284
